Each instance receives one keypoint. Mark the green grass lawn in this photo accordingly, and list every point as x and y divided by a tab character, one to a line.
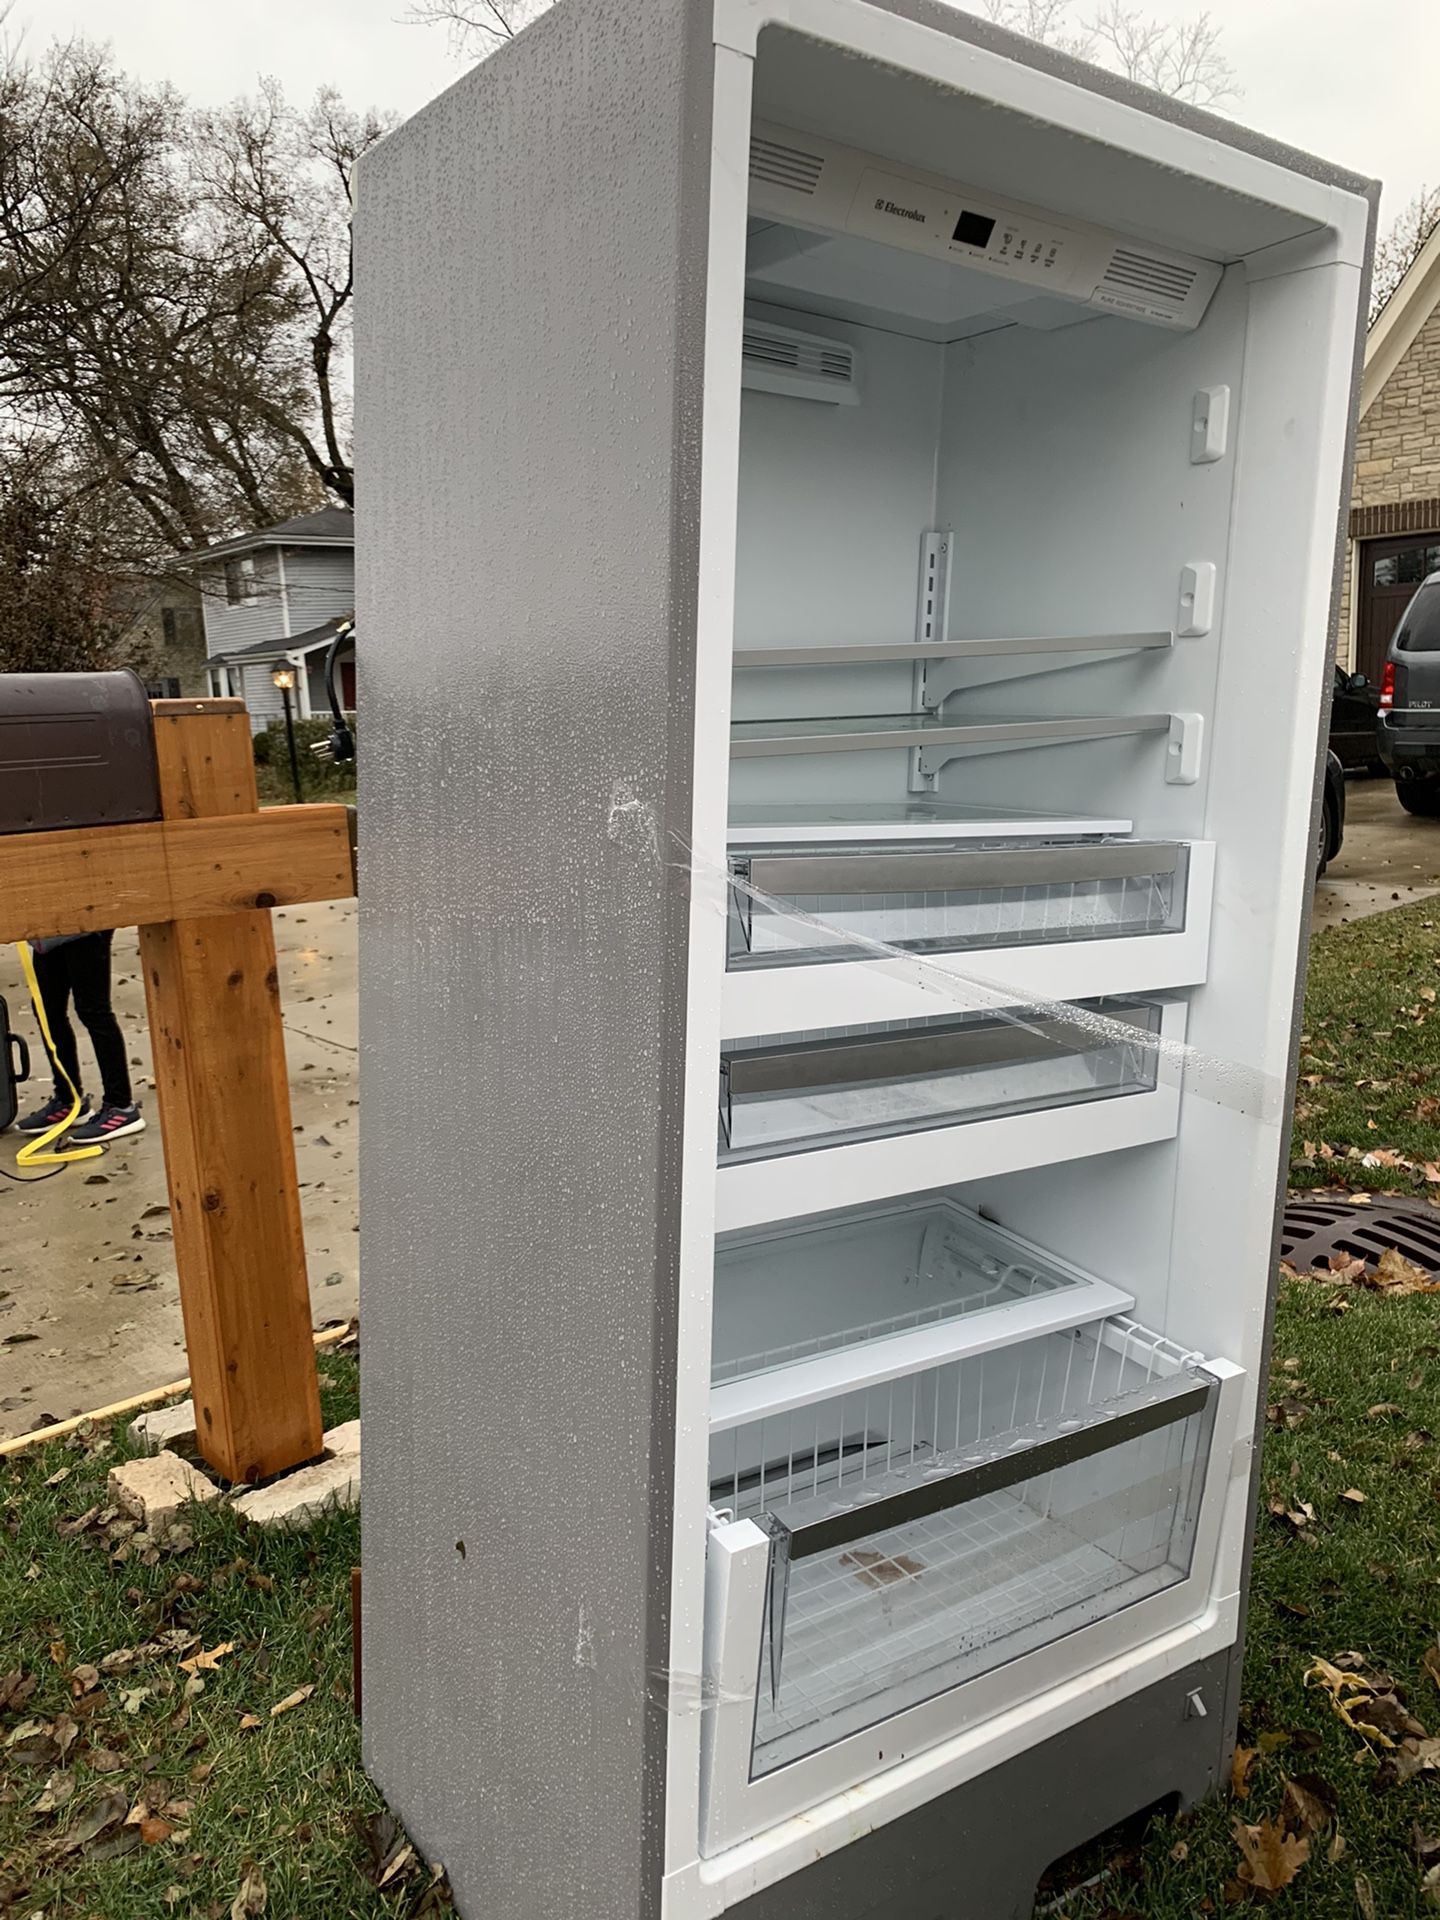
217	1786
128	1792
1370	1056
231	1784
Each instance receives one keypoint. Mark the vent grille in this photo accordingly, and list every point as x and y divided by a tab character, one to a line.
1141	273
782	361
780	165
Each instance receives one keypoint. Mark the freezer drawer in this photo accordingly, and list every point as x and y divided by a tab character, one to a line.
872	1554
821	1089
810	1310
792	906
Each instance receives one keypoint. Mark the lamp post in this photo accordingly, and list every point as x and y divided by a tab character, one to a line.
284	678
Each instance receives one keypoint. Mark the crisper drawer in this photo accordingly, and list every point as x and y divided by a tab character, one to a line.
793	906
809	1121
953	1529
802	1091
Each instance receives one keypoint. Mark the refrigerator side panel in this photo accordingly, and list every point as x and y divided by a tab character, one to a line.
529	351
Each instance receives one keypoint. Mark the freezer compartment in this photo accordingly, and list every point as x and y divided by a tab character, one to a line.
806	1311
799	905
845	1084
880	1548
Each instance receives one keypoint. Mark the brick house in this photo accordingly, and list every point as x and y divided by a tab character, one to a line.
1395	498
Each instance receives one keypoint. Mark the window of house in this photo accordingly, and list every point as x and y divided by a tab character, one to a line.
1408	567
167	688
181	626
242	582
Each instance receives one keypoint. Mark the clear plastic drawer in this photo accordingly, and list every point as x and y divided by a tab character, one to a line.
927	1529
795	906
809	1090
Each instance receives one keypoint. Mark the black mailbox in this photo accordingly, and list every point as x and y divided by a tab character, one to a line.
76	750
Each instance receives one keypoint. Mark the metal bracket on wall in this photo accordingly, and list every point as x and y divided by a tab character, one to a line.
932	621
1025	659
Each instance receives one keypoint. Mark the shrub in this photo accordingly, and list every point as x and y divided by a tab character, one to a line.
318	778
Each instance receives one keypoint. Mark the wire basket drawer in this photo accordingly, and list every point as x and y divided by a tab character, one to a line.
929	1529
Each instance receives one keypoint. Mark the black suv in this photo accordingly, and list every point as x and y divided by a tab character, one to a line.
1408	728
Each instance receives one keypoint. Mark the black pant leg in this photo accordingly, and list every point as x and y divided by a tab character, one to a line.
89	966
52	976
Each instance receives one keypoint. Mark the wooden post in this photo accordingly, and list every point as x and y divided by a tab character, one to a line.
224	1098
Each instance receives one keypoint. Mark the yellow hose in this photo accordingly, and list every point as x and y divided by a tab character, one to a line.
33	1153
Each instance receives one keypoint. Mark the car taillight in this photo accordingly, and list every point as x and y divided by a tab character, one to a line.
1387	687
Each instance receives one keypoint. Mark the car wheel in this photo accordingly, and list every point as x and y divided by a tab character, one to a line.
1420	797
1325	838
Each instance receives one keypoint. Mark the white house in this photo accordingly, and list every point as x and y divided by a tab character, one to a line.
276	597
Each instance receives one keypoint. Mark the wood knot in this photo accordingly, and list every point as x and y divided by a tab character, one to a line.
265	899
211	1201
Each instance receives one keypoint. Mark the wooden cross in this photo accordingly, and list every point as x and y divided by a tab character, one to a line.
199	883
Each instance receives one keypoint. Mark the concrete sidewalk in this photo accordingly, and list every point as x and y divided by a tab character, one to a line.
86	1262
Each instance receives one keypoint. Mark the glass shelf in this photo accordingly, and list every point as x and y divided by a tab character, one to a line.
750	659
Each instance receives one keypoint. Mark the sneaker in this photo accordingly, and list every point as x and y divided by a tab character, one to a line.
51	1114
110	1123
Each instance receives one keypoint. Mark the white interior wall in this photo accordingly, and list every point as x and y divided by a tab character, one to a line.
1065	472
833	503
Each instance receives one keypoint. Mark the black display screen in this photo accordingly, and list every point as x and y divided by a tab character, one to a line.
974	229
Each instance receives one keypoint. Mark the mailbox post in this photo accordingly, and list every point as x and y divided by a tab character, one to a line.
115	813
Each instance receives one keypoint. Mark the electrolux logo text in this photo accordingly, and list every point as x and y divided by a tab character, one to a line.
905	213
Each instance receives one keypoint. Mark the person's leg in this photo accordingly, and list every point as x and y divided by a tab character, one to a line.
88	962
52	976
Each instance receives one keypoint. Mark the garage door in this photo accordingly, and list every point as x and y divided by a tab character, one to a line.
1390	571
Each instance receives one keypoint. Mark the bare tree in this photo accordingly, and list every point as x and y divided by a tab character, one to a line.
1399	246
59	605
476	27
279	183
1181	58
174	293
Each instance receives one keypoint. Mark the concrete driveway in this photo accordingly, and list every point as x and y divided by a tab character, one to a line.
1387	859
86	1263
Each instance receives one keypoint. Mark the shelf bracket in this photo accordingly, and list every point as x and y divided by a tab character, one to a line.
932	622
937	680
1182	755
933	758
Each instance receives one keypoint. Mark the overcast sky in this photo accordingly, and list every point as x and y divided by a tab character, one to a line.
1311	71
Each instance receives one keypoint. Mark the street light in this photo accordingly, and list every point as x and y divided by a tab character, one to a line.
284	677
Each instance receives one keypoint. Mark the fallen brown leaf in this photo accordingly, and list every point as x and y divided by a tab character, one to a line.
1272	1857
1364	1896
108	1811
252	1897
1354	1496
1241	1762
296	1699
208	1662
1309	1803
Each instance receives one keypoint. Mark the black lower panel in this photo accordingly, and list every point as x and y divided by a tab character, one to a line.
978	1853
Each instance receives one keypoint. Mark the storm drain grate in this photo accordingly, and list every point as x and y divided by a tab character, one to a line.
1316	1227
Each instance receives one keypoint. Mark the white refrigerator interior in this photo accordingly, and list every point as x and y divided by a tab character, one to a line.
1023	414
1017	873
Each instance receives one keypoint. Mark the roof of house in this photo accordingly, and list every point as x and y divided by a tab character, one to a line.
330	527
261	650
1399	321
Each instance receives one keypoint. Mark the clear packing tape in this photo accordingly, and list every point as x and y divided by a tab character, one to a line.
956	983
